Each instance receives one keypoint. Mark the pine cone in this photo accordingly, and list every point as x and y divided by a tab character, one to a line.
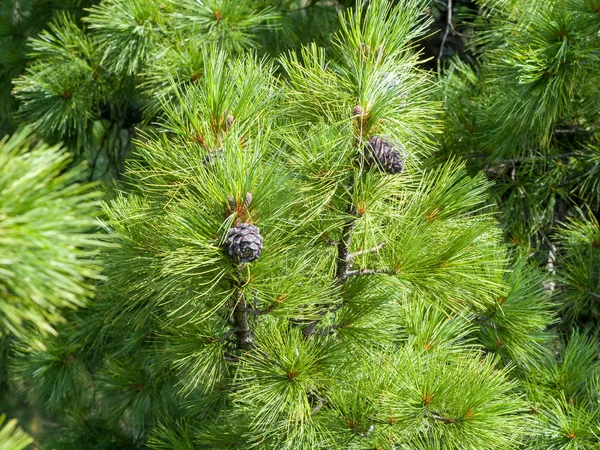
358	110
384	154
244	243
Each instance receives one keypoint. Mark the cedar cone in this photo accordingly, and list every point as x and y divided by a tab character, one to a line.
382	153
244	243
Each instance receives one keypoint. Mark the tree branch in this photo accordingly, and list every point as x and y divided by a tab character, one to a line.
255	312
364	252
314	398
328	330
337	307
483	322
344	244
229	333
229	357
574	130
245	340
343	260
448	27
354	273
441	418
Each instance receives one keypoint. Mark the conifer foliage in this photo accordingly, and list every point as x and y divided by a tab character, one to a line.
293	263
46	224
527	115
11	437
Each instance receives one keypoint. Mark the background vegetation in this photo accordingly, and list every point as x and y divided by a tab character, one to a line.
494	219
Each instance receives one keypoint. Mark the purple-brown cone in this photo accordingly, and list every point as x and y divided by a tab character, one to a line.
244	243
383	154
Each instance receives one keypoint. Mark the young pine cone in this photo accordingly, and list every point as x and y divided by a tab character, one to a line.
358	111
383	154
244	243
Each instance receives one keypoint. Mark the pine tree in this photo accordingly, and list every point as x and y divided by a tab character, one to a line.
527	116
92	86
46	235
19	21
49	249
294	263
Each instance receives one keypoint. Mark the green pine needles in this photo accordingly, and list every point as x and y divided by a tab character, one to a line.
11	437
526	114
298	265
47	224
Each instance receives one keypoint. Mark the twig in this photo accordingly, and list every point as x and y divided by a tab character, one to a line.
344	244
229	357
318	407
354	273
520	159
363	252
574	130
551	262
256	312
337	307
311	328
482	321
327	330
441	419
448	26
255	306
513	172
313	397
229	333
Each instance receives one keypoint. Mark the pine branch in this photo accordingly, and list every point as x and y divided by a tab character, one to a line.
593	294
229	357
365	252
229	333
344	262
255	312
354	273
484	321
315	399
574	130
441	418
328	330
245	340
446	32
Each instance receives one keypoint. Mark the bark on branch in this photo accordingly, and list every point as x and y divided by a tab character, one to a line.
441	418
354	273
245	340
366	252
343	261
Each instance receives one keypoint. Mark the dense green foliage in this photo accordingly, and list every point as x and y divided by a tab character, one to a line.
527	115
445	301
48	248
11	437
